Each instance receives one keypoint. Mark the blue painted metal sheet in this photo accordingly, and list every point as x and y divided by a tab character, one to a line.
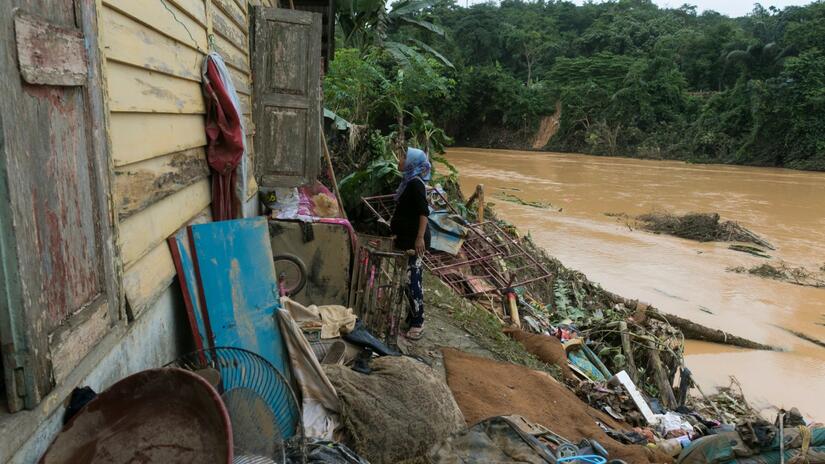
239	286
185	266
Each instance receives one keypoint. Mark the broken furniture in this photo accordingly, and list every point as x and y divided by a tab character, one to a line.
155	416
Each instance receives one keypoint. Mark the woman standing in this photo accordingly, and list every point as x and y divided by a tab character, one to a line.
409	225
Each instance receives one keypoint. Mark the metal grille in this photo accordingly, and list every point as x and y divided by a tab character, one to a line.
490	260
377	293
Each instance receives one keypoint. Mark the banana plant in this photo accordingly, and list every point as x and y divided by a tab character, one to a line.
373	23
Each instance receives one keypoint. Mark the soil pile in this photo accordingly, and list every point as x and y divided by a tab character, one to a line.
485	388
702	227
548	349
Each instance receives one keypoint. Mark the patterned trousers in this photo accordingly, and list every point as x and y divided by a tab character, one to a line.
415	292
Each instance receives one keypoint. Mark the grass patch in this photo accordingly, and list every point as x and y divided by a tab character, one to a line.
485	328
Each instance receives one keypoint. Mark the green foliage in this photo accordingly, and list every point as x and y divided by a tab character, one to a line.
378	177
632	79
352	86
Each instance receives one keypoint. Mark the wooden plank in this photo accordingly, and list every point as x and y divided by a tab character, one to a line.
73	341
143	231
147	279
246	104
636	396
249	125
232	11
242	5
233	56
140	136
195	9
241	81
164	18
229	30
139	185
128	41
134	89
50	54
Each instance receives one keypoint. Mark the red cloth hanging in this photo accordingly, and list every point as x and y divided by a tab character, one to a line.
224	150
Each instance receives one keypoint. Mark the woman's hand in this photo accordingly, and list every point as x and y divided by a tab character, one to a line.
419	246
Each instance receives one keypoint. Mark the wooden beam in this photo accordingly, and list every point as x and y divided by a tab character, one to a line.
660	376
628	351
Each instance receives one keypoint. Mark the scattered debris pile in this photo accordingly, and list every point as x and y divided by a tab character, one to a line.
702	227
785	272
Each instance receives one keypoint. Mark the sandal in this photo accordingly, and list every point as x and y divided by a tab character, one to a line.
415	333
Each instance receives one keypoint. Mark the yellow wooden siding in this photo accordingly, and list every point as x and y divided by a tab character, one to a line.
154	51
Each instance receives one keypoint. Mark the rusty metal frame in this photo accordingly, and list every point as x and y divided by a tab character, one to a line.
377	287
489	255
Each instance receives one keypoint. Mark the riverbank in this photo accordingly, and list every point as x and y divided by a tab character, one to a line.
686	278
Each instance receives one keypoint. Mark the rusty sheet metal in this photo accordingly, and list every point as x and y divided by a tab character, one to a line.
50	54
239	287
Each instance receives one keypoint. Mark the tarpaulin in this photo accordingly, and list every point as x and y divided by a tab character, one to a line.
224	136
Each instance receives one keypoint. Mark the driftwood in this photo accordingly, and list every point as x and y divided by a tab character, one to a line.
659	374
690	329
803	336
628	352
696	331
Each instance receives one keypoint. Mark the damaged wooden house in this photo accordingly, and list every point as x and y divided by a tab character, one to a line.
103	157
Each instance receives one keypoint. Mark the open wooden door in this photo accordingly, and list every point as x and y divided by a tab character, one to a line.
57	271
286	74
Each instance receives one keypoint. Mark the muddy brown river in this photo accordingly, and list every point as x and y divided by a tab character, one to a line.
683	277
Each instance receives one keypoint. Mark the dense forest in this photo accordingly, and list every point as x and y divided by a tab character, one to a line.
623	78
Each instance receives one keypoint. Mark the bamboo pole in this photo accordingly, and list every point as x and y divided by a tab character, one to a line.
334	180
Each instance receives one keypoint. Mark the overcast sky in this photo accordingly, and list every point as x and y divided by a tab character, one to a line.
729	7
733	8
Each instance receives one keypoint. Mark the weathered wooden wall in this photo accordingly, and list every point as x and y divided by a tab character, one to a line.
154	50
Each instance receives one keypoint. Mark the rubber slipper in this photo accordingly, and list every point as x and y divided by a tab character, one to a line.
415	333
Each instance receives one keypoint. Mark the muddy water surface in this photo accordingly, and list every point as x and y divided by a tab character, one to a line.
679	276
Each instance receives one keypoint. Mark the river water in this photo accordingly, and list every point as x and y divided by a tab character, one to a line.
683	277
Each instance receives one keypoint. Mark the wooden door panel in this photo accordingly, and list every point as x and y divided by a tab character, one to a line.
61	286
287	107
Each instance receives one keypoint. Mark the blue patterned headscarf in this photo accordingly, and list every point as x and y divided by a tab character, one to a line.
416	165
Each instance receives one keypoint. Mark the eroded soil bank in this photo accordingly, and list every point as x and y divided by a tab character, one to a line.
683	277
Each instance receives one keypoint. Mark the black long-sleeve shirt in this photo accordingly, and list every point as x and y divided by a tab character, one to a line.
411	205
